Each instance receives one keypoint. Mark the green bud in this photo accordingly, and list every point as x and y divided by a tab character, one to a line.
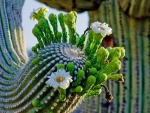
112	67
60	66
80	76
117	52
89	84
77	89
93	71
102	55
70	19
81	73
117	77
100	78
90	80
122	52
109	48
88	64
93	93
35	61
34	49
36	103
70	67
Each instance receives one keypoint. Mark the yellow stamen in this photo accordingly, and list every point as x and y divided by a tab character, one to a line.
101	27
59	79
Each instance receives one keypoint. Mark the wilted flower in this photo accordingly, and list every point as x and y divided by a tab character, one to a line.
102	28
61	79
37	13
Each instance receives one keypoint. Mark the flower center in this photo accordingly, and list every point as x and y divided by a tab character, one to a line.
70	52
101	27
59	79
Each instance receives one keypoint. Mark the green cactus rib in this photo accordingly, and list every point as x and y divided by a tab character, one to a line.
126	67
146	56
120	33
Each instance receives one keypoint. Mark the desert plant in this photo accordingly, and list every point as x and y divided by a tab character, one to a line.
64	70
130	21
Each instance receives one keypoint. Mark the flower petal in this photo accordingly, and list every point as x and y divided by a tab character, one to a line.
102	28
52	81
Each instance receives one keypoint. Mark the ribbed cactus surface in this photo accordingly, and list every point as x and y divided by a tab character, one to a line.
65	69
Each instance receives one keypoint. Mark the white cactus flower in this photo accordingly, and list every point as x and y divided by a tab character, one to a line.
61	79
102	28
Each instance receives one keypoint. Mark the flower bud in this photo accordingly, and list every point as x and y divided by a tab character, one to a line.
77	89
117	77
35	61
117	52
36	103
70	67
88	64
112	67
102	55
93	71
60	66
100	78
90	80
80	76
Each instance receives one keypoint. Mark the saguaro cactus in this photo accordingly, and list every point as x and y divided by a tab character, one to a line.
64	70
130	21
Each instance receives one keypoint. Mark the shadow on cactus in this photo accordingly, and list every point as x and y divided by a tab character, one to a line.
66	67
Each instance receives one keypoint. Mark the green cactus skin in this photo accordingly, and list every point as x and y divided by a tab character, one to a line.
24	87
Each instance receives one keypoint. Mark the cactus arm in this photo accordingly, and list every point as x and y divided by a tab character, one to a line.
16	9
13	32
6	31
4	51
